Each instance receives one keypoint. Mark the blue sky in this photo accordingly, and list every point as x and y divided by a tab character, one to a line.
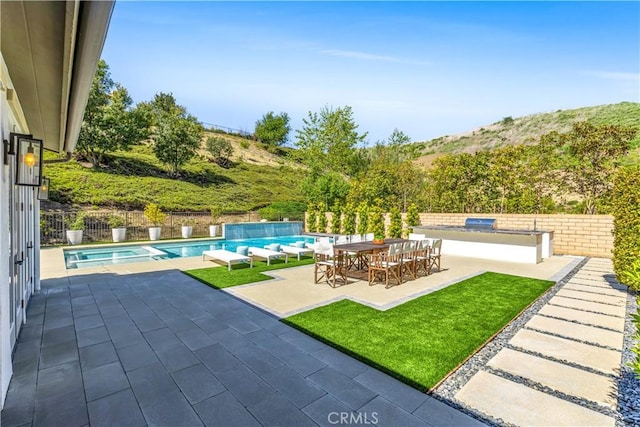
427	68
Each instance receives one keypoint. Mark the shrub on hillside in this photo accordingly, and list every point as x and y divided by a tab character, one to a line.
276	211
626	226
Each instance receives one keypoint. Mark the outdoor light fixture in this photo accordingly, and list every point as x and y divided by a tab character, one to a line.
43	190
28	161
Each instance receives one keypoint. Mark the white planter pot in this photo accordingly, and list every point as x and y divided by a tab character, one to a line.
74	237
186	231
213	230
154	233
119	234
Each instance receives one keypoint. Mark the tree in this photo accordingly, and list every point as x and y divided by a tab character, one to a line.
176	135
109	122
594	152
395	226
413	217
220	149
273	129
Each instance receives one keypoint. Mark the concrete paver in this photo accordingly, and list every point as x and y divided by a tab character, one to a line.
612	310
585	333
591	296
566	379
602	320
518	404
601	359
571	285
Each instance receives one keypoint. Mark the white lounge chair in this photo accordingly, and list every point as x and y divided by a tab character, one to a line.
267	254
292	250
227	256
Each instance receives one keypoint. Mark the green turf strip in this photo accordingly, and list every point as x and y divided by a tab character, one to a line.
241	274
421	341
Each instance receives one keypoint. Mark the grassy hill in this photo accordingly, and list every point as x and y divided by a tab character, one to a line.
525	129
129	180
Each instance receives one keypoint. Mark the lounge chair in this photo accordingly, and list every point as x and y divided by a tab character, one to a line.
267	254
292	250
227	256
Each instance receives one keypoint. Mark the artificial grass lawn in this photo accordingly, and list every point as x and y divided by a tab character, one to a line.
241	274
421	341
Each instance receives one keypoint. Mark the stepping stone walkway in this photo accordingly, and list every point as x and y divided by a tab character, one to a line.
561	368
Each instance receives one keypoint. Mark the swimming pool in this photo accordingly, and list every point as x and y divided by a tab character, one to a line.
95	257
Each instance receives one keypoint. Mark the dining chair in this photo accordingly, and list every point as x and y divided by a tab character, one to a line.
408	259
434	256
329	265
386	265
423	261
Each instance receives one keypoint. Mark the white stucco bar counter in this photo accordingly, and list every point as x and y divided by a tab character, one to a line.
528	246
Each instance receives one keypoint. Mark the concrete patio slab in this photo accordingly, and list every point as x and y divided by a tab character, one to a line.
520	405
571	285
566	379
591	296
611	322
584	333
600	359
611	310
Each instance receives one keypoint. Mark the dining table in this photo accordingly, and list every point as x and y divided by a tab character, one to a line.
355	255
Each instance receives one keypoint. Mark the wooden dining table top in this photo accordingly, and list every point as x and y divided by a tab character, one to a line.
367	246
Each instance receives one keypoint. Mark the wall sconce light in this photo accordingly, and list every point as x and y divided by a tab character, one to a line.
29	162
43	190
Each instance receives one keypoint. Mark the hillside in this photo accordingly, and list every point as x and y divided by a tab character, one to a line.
510	131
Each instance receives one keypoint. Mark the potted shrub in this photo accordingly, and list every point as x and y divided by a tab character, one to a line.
187	228
118	230
216	212
75	229
155	217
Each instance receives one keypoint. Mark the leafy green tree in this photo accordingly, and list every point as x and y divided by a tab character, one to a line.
349	220
273	129
325	189
336	217
395	226
109	123
376	222
312	218
176	133
594	153
413	217
220	149
626	225
322	219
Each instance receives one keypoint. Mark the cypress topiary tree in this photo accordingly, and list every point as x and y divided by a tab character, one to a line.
312	218
376	221
395	228
322	219
413	218
336	217
626	226
349	220
363	218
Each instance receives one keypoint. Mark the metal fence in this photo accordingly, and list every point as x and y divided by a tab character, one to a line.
54	224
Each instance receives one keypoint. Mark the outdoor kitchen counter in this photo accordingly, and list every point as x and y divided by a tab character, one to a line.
529	246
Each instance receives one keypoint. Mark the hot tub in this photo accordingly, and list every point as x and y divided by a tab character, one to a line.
528	246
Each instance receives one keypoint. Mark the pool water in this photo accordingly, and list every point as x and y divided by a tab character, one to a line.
95	257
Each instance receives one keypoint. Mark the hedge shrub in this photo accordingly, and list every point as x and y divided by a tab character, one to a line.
626	225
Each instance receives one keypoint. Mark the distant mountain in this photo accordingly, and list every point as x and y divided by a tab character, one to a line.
528	129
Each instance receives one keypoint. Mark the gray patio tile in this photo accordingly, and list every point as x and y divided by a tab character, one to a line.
230	339
216	358
58	336
119	324
343	388
242	325
197	383
61	409
275	326
92	336
303	341
176	357
57	321
137	356
210	324
77	300
27	350
341	362
127	339
151	383
179	324
20	402
438	414
65	377
170	410
30	332
278	411
326	411
88	322
224	410
25	366
246	386
97	355
388	414
302	362
58	354
391	389
85	310
104	380
256	358
117	410
114	310
195	338
293	386
149	323
161	338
